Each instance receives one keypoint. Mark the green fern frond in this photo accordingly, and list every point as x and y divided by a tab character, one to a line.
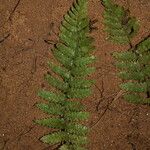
77	116
76	139
56	123
62	72
58	137
131	75
144	46
51	109
144	59
51	96
82	71
53	138
119	25
135	69
79	93
55	82
134	87
73	106
83	61
125	56
62	59
68	78
81	83
136	99
77	129
130	66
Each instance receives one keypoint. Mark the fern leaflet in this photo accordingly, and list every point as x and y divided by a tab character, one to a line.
119	25
136	71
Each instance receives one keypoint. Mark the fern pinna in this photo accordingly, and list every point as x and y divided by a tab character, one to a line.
135	69
73	54
119	25
134	64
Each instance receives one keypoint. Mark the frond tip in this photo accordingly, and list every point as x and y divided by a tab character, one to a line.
119	25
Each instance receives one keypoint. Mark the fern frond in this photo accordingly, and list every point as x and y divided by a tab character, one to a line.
53	138
76	116
130	66
62	59
119	25
76	129
144	59
131	75
58	137
51	96
79	93
62	72
72	53
134	87
82	61
51	109
74	106
55	82
82	71
81	83
144	46
135	69
136	99
56	123
77	140
125	56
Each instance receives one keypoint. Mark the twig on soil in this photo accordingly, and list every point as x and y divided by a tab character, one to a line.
13	11
135	114
116	110
50	42
120	93
4	38
34	67
18	138
109	96
101	94
24	133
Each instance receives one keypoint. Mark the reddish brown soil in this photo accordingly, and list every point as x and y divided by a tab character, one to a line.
24	25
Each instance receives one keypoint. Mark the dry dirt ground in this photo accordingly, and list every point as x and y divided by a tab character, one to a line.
24	25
